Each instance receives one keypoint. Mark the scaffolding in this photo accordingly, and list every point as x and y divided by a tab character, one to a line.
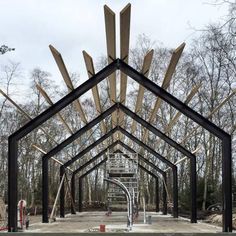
124	170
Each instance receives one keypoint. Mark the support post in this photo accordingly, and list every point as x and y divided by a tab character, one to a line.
164	195
157	195
12	184
227	183
62	193
45	190
80	194
193	188
175	192
73	193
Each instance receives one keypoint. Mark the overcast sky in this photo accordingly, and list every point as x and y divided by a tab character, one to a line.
75	25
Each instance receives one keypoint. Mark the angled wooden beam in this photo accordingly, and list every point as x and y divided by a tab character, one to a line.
166	82
90	70
49	101
145	71
124	55
110	27
53	158
124	47
110	24
65	75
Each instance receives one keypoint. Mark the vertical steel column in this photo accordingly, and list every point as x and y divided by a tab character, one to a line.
45	189
12	184
80	194
175	192
227	183
164	195
73	193
62	193
157	195
193	188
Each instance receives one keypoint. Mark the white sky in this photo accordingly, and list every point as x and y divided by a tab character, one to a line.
75	25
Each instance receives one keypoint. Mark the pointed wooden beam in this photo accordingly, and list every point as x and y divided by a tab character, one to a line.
16	105
49	101
61	65
90	70
145	71
110	24
124	47
166	82
110	27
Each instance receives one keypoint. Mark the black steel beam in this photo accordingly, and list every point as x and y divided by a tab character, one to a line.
72	194
203	122
81	131
45	190
86	150
164	195
103	152
157	132
62	192
80	195
157	195
141	157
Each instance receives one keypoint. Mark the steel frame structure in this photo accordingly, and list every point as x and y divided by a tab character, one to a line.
119	64
87	149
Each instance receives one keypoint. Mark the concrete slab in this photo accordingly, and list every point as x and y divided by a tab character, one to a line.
89	222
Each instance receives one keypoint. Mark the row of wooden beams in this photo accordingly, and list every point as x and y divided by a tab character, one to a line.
165	84
60	63
217	108
30	118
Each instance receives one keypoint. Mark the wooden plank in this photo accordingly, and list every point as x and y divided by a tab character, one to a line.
49	101
124	47
90	70
124	55
16	105
61	65
145	71
110	27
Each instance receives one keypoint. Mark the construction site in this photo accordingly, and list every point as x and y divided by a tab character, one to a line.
119	155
